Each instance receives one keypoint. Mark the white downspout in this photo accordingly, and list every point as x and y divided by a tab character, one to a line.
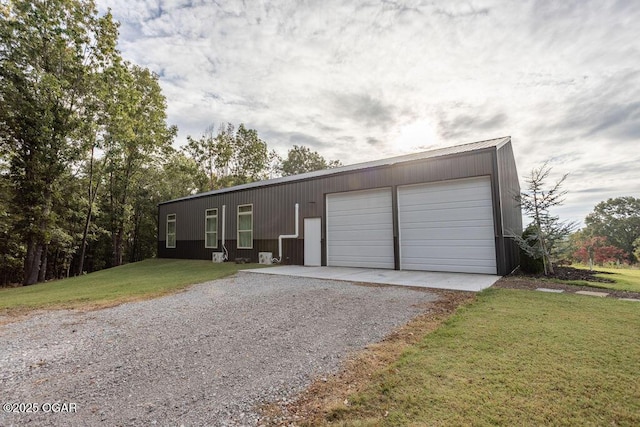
224	248
288	236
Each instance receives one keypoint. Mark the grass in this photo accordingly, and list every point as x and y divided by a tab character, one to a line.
140	280
512	357
626	279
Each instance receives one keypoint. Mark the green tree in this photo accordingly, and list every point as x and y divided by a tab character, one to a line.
301	159
181	176
48	52
546	231
250	159
619	221
136	136
204	152
232	157
636	245
66	230
92	179
11	249
175	177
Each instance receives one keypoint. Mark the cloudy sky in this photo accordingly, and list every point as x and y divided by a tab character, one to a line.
364	80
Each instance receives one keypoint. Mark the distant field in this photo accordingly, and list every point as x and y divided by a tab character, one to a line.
145	279
626	279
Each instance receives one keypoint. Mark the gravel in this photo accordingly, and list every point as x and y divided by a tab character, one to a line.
206	356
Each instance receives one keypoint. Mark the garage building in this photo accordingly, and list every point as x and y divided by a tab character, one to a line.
450	209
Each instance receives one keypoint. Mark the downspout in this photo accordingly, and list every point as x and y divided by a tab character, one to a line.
224	248
287	236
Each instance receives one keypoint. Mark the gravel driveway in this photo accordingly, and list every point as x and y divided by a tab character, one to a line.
206	356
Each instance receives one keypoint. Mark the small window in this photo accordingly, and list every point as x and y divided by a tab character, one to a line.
245	227
211	228
171	231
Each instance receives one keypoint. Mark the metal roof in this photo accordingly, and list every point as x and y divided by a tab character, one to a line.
439	152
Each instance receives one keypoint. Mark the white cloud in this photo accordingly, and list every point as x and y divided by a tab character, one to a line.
365	80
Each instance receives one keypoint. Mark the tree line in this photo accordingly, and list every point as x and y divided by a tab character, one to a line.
86	153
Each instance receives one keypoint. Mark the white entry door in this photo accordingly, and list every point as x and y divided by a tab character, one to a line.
312	242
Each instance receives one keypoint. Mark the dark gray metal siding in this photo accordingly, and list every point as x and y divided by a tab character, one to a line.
273	205
509	189
510	210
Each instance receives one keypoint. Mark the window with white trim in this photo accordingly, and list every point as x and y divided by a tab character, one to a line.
245	227
211	228
171	231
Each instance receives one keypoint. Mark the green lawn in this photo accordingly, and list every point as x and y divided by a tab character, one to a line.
513	357
143	279
626	279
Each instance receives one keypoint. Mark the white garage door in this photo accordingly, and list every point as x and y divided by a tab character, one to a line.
360	229
447	226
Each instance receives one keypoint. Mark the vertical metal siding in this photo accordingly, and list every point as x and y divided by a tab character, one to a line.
273	206
511	212
509	188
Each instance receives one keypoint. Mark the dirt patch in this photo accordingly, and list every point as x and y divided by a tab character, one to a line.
329	392
570	273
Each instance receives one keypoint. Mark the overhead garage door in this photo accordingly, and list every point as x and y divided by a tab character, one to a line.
447	226
360	229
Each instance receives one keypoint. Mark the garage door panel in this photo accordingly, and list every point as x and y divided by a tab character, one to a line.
354	202
450	262
446	242
452	195
360	229
356	234
460	212
350	206
472	253
347	221
355	226
356	206
344	245
448	233
417	224
375	253
456	267
447	226
456	214
363	263
475	204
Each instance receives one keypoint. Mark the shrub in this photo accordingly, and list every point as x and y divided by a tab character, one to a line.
528	263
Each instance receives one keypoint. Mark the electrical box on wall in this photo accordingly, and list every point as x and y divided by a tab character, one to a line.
265	257
217	257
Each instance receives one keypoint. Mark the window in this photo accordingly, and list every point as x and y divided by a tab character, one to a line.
211	228
171	231
245	227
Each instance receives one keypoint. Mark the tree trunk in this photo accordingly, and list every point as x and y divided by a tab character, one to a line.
85	233
42	274
135	239
117	247
36	246
87	223
32	262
